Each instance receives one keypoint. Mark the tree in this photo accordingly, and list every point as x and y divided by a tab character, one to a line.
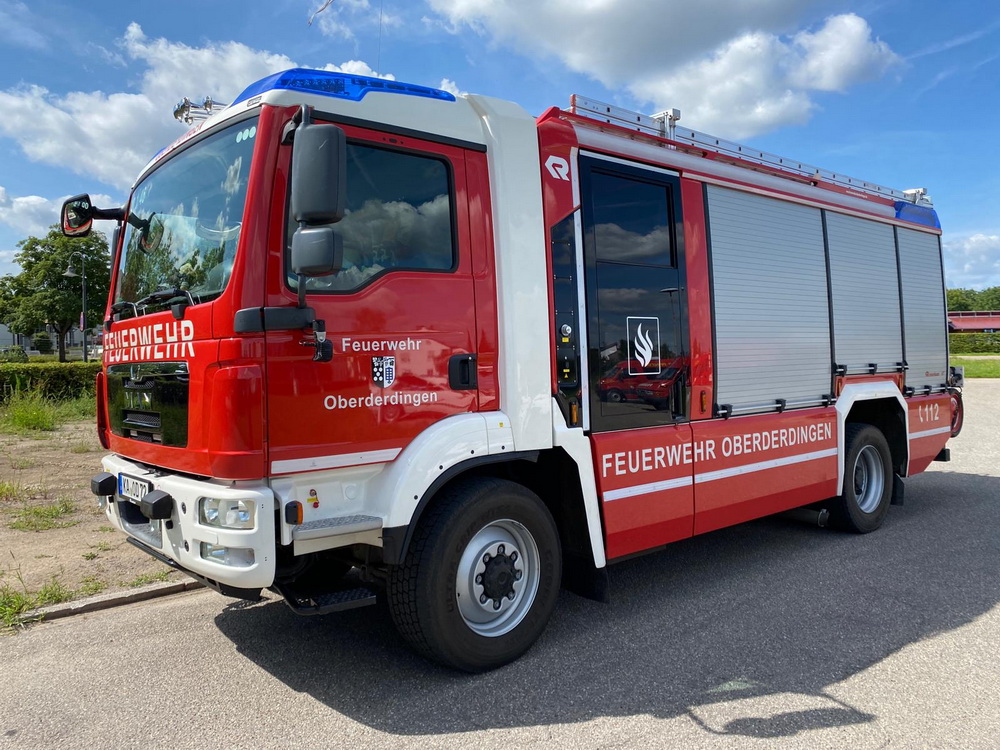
41	294
961	300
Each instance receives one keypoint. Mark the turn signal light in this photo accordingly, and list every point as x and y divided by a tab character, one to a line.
293	513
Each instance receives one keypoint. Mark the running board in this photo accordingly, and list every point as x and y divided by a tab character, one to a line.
327	601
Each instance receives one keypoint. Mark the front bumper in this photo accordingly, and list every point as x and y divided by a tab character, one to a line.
182	538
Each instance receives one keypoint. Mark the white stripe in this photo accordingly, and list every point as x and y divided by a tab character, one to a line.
710	476
334	462
645	489
928	433
736	471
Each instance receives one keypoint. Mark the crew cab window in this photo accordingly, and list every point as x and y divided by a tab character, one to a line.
398	217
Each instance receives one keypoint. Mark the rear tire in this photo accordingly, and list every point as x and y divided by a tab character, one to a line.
481	576
868	478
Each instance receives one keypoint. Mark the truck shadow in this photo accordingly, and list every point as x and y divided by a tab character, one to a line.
766	608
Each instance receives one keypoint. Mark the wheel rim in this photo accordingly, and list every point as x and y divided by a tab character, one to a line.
616	397
869	479
497	578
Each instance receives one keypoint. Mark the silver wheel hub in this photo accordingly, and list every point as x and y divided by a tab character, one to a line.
869	479
497	578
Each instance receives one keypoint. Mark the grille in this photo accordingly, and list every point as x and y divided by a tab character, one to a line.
141	419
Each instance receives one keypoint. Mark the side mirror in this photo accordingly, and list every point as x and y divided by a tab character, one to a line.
317	251
319	174
77	216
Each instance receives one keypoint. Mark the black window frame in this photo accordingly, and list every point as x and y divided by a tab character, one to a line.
588	165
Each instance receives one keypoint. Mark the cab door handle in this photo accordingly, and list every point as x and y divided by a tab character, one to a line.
462	372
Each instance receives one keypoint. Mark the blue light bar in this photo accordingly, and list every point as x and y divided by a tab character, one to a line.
917	214
337	85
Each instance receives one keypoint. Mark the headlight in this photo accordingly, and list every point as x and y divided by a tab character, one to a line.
227	514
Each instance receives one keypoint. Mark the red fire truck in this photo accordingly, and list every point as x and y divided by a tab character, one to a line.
359	332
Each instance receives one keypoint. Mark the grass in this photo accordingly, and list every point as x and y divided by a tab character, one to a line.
17	602
90	586
44	517
29	412
89	556
977	367
145	578
13	492
107	529
80	448
22	463
102	546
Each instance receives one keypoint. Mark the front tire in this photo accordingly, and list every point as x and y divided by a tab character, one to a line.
481	576
868	478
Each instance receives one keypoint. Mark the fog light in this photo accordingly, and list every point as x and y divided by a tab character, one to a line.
227	514
235	557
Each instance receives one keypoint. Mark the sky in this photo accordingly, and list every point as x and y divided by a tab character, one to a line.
903	93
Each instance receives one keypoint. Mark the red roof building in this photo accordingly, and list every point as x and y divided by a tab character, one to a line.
974	321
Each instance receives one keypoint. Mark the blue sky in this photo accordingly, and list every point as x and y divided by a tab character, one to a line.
899	92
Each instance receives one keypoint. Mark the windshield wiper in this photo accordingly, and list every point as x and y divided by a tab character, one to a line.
166	295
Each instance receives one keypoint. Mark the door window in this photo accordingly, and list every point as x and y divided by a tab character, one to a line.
398	217
638	348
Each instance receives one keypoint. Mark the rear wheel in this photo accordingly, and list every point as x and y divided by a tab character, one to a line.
868	480
481	576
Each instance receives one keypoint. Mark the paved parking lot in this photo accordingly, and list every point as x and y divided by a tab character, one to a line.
769	634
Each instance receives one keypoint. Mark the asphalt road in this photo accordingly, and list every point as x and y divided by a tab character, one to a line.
770	634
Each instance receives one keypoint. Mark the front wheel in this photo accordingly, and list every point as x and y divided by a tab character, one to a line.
481	576
868	480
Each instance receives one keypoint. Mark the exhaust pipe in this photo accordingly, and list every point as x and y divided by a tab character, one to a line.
812	516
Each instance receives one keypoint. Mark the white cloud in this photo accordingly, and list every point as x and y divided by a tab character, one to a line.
451	87
111	136
972	262
19	27
733	68
33	215
341	18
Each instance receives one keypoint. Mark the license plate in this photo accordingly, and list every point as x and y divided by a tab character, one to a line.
132	487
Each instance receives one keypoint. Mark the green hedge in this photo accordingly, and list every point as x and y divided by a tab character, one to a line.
55	380
974	343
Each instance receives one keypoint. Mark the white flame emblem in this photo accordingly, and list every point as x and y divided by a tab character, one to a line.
643	347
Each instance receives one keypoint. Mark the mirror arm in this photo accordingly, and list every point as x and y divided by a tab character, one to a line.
110	214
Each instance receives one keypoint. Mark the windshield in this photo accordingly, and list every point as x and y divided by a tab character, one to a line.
184	222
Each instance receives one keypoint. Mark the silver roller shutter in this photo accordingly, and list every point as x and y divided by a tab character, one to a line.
924	316
772	319
865	284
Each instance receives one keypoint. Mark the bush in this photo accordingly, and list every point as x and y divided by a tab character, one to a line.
42	342
974	343
14	354
53	380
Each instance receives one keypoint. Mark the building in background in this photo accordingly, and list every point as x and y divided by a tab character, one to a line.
974	321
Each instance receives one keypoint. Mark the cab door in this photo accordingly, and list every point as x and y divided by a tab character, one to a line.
401	313
637	353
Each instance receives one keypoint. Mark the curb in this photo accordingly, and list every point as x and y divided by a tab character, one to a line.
113	599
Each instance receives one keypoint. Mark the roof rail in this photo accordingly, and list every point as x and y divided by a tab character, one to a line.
664	125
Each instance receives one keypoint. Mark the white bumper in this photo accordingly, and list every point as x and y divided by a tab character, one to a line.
182	536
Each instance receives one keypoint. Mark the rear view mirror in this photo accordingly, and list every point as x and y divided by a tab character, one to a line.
77	216
317	251
319	174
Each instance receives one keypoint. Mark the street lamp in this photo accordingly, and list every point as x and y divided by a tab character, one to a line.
83	285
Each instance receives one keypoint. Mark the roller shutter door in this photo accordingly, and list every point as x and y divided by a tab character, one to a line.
865	284
772	317
924	316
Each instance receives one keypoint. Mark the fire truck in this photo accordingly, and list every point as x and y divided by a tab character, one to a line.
360	333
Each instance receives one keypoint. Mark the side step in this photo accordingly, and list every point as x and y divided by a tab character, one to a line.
335	526
322	603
